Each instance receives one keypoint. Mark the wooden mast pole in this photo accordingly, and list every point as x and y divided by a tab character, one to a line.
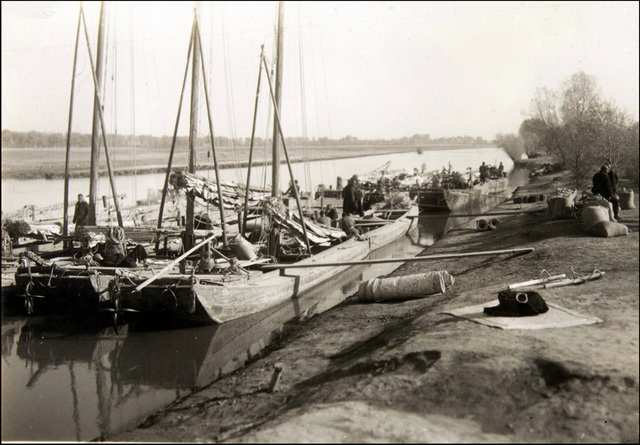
193	135
225	241
175	133
275	163
95	129
65	218
104	132
286	154
253	133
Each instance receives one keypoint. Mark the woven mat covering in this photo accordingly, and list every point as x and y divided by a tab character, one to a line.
555	317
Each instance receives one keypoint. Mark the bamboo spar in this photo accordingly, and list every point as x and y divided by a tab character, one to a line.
400	260
166	268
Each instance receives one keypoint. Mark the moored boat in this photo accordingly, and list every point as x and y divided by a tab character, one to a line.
221	297
452	199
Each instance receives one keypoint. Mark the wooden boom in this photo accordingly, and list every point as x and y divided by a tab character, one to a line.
399	260
169	266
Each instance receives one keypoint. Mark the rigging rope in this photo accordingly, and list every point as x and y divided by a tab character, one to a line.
134	183
230	100
303	111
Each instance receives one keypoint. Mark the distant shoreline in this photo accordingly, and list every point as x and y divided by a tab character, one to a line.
57	172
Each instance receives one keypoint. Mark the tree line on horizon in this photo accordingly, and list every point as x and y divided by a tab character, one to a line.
579	128
35	139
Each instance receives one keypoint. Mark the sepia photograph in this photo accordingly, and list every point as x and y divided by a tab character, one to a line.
320	221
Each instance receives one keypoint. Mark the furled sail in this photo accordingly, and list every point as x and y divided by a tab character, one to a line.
206	190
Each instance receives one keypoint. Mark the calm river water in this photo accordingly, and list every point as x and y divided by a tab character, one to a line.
16	193
64	382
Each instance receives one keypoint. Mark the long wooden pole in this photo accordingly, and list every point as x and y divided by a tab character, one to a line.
65	218
168	267
95	128
286	154
175	134
253	133
275	152
463	215
223	222
400	260
193	133
104	132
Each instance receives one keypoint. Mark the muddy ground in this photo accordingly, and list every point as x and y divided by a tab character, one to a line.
405	372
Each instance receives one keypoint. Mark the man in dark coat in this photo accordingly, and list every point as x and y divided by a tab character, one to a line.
602	186
81	213
351	198
613	177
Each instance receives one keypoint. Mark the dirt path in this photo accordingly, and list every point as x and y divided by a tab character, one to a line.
405	372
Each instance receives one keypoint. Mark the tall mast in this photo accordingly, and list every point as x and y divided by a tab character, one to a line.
193	130
275	164
65	218
95	131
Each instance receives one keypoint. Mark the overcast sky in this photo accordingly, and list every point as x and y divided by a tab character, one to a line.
369	69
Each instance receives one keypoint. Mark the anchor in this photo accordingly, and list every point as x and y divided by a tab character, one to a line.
28	297
116	309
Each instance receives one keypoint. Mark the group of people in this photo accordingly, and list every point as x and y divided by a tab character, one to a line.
605	184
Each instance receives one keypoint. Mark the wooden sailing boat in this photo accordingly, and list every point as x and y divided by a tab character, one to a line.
234	284
73	280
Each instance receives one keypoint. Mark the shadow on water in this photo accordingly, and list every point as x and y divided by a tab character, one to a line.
70	381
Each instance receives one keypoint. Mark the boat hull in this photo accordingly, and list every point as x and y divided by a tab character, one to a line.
487	194
208	298
57	289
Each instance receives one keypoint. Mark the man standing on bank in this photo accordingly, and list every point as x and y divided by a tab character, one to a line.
81	213
602	186
613	177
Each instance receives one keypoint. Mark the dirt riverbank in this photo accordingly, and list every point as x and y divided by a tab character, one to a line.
406	372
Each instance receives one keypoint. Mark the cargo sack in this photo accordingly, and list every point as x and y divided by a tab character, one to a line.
517	304
243	249
608	229
626	199
561	203
561	208
594	214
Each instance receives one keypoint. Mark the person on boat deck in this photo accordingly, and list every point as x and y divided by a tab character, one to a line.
348	226
332	213
81	213
484	171
603	187
501	170
351	198
294	189
324	219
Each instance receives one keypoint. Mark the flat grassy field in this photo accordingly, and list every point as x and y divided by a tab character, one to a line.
28	163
